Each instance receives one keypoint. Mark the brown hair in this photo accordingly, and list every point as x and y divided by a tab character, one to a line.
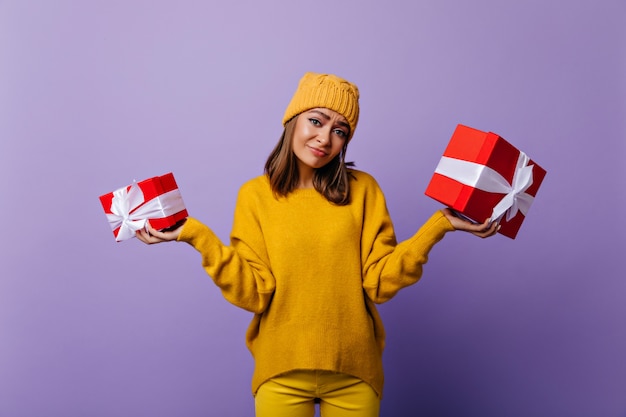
332	180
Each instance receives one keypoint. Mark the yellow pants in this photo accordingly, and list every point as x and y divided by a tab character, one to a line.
294	395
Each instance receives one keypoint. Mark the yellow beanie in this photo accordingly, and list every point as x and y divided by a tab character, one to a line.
325	90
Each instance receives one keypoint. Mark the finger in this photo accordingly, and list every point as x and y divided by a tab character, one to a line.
148	238
154	232
143	236
488	225
482	229
490	231
479	227
151	230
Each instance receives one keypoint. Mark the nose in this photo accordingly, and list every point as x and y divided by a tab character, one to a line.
323	137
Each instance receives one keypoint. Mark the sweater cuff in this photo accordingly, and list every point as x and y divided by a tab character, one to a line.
196	233
436	227
448	226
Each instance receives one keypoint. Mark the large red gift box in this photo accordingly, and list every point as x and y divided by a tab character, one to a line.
481	175
156	200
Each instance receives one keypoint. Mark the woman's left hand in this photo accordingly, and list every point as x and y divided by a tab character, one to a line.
486	229
150	235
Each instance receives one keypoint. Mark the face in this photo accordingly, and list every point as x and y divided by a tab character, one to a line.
319	136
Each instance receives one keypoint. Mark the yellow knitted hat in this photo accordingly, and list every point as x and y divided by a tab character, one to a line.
325	90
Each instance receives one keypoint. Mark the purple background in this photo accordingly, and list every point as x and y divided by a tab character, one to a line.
96	94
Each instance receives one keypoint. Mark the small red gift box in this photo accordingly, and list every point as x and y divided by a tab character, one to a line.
156	200
481	175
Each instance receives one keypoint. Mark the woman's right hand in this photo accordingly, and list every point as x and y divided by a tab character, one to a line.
151	235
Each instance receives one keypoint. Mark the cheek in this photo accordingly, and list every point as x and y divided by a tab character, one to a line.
302	127
338	147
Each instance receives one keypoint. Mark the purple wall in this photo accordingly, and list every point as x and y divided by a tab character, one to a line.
95	94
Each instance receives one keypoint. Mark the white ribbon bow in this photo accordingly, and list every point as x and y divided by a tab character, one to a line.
487	179
129	214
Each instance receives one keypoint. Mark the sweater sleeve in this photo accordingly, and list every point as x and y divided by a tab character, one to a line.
240	270
389	266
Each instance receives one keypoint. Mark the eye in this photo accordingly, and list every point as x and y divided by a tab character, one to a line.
315	121
341	133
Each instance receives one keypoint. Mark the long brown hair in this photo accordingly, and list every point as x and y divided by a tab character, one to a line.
332	180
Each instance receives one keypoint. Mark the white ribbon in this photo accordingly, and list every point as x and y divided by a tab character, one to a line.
487	179
130	214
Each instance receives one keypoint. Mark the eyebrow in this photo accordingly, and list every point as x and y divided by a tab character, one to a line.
327	117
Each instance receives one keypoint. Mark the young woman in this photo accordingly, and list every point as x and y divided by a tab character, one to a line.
312	251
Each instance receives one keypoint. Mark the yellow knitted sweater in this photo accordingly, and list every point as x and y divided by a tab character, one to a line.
311	272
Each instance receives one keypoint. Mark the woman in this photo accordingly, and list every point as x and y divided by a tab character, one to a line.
312	251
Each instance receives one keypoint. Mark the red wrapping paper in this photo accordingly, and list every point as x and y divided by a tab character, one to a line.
161	192
491	155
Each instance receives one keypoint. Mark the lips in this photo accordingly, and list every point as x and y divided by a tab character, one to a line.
318	152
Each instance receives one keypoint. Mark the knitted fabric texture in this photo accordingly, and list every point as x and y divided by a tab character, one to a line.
311	272
325	90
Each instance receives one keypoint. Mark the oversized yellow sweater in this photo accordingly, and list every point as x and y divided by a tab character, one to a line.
311	272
